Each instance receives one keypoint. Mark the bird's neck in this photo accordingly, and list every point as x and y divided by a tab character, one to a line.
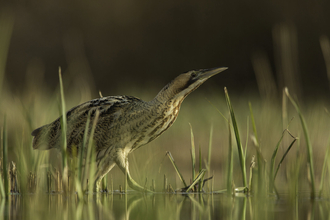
165	95
174	92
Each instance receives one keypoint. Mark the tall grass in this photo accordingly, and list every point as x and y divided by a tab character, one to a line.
5	184
91	156
209	152
272	164
193	154
241	153
79	180
200	183
64	132
230	163
308	144
261	162
272	174
176	168
284	155
326	164
198	178
260	188
213	152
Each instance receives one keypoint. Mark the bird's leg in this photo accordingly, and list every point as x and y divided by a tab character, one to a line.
122	163
104	167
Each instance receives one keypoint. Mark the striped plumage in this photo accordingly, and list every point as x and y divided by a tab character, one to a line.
125	123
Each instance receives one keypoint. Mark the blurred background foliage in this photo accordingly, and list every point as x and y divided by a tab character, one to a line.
118	44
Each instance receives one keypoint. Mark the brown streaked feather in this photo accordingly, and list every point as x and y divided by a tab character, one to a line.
48	136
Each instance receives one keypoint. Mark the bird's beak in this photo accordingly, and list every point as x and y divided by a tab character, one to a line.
207	73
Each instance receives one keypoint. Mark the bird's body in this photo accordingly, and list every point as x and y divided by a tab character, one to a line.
124	123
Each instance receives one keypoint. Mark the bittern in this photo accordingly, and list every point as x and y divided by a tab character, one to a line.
124	123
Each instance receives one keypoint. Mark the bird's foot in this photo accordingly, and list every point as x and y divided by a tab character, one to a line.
134	185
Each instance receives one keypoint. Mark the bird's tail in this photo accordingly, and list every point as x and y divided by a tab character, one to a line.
40	138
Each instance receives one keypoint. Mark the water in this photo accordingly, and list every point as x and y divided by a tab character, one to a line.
162	206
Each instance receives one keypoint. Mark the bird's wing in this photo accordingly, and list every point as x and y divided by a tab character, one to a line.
48	136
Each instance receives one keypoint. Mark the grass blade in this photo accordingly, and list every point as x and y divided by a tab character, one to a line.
200	158
308	143
253	123
325	162
79	179
208	162
217	109
230	162
4	156
252	164
272	164
84	145
64	121
176	168
63	128
2	188
241	153
198	178
247	136
261	162
193	155
286	152
91	153
209	150
200	187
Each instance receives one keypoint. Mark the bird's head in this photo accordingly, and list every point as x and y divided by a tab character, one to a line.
187	82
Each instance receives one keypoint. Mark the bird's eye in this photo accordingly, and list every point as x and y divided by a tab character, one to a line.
193	74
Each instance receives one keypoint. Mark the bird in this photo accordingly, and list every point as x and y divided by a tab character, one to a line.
124	124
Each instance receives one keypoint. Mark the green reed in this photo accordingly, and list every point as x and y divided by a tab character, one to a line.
230	163
79	185
193	154
209	153
261	162
64	132
241	152
308	143
326	163
176	168
5	190
91	157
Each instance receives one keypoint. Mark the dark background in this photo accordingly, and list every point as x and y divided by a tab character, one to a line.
123	43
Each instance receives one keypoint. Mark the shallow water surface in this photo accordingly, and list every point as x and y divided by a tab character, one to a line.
161	206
